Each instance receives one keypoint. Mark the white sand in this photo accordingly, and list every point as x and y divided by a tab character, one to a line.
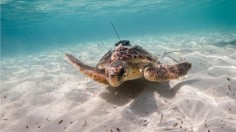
44	93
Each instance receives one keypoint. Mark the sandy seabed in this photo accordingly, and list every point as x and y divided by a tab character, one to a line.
44	93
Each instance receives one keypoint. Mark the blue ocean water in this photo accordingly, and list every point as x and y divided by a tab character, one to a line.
31	26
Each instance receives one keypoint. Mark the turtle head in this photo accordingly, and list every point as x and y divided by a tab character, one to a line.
116	73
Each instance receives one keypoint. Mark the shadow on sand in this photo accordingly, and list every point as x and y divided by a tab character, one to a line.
140	94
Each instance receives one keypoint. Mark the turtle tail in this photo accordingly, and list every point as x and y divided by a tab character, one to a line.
89	71
161	72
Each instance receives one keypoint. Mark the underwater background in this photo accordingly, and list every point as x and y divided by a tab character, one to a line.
40	91
31	26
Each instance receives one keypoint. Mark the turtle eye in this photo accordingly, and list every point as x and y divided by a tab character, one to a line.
122	71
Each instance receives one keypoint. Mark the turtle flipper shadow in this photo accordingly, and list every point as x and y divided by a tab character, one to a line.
162	73
91	72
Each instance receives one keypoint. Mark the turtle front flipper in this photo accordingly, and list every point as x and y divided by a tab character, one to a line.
91	72
161	72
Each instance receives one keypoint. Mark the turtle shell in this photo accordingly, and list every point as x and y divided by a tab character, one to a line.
133	54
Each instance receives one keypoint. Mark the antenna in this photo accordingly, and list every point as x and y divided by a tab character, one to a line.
115	31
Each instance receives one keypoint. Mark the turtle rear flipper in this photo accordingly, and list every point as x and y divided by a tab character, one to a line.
162	73
91	72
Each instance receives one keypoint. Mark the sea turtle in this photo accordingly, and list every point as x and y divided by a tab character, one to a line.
128	62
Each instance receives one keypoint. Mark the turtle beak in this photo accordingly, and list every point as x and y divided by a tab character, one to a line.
114	81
